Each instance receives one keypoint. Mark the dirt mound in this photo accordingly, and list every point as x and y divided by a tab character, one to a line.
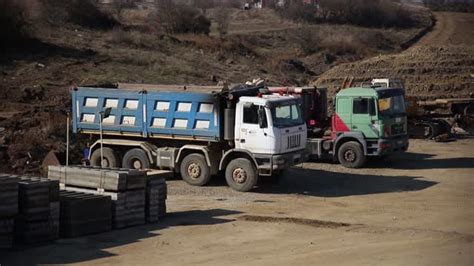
435	67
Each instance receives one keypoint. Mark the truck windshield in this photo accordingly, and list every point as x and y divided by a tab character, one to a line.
392	105
286	115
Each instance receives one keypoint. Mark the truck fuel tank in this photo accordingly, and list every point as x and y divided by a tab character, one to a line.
165	157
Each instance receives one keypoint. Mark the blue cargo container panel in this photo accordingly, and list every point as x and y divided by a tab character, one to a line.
155	114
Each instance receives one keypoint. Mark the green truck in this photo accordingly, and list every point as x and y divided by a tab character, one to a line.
365	122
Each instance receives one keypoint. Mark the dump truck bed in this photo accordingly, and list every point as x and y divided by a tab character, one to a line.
156	113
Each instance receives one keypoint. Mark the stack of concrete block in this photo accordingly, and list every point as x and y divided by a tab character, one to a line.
128	207
38	217
84	213
125	187
156	195
8	209
108	179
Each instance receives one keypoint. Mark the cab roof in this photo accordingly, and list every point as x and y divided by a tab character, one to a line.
369	92
269	99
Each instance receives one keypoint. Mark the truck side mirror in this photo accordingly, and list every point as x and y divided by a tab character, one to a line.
262	119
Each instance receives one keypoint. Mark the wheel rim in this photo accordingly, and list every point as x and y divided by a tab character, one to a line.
427	131
104	163
350	156
194	170
239	175
137	164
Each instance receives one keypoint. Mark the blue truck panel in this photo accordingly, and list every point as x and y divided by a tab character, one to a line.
155	114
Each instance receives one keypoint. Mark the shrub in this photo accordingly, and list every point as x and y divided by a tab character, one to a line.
120	5
298	11
368	13
81	12
176	18
87	14
12	21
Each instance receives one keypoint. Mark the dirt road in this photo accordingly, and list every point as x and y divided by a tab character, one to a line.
450	29
416	209
441	64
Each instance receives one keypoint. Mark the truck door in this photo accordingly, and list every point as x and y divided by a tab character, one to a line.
364	117
248	133
343	116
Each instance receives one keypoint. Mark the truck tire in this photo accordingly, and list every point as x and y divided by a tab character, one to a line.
241	175
432	129
194	170
351	155
110	158
136	159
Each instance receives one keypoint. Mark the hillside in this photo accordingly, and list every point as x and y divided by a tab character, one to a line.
441	64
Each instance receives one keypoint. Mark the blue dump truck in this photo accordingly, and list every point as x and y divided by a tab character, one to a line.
196	131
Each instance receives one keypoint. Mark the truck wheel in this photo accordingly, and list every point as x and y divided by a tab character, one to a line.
241	175
194	170
110	158
135	159
350	155
432	129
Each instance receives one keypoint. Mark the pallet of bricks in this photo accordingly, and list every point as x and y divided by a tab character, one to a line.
8	209
29	210
38	217
136	198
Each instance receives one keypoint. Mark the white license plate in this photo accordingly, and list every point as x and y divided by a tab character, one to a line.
398	119
400	142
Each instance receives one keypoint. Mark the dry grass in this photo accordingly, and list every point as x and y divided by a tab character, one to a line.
233	45
134	39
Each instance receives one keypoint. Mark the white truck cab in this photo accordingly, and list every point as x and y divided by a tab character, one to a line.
388	83
271	127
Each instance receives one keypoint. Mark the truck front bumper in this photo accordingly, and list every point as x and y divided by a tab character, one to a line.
267	164
388	146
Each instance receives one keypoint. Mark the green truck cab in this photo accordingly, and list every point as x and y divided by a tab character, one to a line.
371	121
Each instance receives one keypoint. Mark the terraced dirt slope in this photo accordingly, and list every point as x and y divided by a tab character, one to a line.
441	64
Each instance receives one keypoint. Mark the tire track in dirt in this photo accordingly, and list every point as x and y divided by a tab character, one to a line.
358	228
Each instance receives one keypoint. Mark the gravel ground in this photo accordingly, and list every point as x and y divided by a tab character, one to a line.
415	208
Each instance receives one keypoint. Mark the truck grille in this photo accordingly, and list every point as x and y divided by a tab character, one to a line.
293	141
398	129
